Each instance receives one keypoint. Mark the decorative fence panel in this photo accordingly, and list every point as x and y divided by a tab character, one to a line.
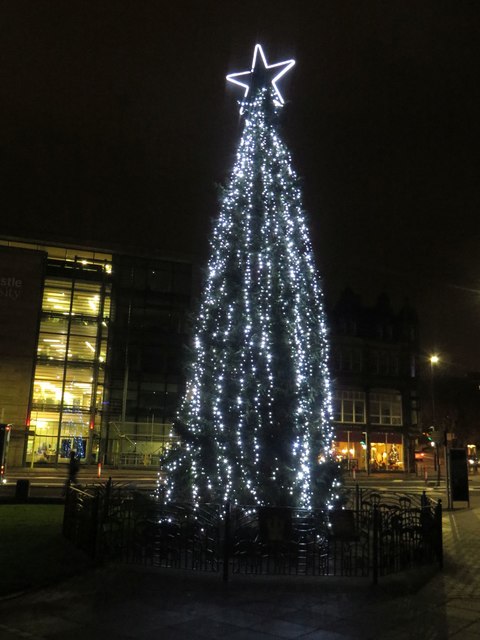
373	535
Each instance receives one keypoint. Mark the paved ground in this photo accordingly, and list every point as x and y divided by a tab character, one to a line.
122	602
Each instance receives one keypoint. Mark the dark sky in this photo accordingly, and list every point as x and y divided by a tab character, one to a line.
117	125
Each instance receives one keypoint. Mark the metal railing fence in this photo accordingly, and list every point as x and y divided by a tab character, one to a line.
373	535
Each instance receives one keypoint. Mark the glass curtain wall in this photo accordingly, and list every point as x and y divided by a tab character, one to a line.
69	378
151	299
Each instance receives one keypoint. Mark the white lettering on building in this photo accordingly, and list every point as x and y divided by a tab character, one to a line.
10	287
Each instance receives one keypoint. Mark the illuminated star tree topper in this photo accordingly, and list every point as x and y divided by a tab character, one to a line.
261	74
255	421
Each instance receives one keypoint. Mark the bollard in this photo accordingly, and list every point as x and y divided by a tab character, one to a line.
227	542
99	470
425	474
375	540
22	491
354	473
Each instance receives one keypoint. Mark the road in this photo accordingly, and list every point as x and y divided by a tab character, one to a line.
49	482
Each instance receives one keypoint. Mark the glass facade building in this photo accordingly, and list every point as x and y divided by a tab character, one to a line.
92	345
106	374
69	377
150	301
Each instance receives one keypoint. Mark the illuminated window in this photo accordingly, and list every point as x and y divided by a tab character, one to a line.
86	300
56	296
69	374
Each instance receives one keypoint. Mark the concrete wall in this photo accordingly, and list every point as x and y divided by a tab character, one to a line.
22	275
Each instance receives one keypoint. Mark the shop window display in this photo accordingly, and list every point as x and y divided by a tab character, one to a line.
350	450
386	457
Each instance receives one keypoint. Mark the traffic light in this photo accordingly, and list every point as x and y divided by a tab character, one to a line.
429	433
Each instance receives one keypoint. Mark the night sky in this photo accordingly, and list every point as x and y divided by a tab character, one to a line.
117	126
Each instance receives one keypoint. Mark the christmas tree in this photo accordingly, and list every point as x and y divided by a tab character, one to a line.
255	422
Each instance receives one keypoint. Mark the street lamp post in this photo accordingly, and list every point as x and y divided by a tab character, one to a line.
434	359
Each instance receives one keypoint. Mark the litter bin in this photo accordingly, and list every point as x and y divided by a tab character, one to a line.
22	490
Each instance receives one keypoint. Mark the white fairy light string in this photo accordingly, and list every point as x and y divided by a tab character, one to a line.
257	406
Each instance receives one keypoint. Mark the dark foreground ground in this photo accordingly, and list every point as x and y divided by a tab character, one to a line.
120	602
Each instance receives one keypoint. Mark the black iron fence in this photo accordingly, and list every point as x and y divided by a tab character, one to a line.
371	536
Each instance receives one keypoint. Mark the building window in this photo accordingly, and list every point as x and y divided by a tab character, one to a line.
347	359
385	363
385	454
349	406
386	408
69	373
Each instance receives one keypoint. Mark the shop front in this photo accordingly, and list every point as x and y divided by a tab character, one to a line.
386	451
350	450
369	451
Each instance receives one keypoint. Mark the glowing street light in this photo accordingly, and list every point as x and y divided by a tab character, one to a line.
434	359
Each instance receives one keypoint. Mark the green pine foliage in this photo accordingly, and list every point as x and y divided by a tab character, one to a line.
255	424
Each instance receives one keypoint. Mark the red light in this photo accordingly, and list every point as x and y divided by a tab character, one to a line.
8	428
91	426
2	470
